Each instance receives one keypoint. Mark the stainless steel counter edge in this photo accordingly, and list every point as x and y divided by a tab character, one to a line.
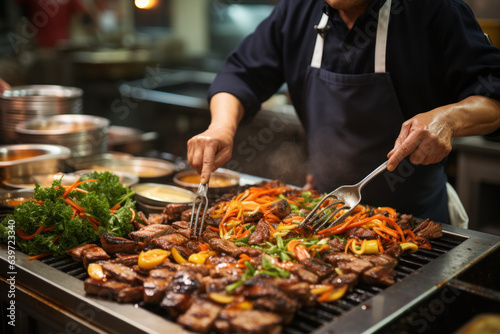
70	295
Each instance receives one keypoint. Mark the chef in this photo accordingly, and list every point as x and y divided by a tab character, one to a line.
370	80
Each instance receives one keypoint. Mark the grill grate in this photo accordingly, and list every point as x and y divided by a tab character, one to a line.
309	319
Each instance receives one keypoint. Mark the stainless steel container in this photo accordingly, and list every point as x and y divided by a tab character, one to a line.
85	135
23	103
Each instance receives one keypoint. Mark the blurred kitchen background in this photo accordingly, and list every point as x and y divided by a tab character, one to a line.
147	65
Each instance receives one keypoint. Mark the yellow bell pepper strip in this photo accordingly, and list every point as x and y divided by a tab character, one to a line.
333	295
221	298
151	258
408	247
201	257
177	256
95	271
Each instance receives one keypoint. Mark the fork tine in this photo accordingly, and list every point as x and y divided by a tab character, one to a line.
320	223
200	198
311	216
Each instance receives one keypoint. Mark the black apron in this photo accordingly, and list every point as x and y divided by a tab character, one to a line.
352	121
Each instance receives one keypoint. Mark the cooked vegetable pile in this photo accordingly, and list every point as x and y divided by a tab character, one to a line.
60	218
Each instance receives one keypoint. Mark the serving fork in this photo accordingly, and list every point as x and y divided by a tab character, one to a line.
201	200
345	198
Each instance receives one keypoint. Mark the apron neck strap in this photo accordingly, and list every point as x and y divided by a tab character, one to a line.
380	44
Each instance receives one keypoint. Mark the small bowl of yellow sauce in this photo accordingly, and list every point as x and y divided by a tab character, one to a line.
157	194
221	181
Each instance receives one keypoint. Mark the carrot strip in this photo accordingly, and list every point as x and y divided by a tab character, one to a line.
39	256
204	247
215	229
116	207
74	185
95	221
48	228
133	215
292	244
74	205
56	238
29	237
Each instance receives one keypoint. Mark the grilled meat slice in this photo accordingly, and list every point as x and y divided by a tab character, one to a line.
212	284
261	233
227	270
149	232
113	244
143	217
406	222
279	304
304	274
248	322
168	241
121	273
280	209
209	234
215	260
379	275
200	316
230	248
320	268
260	286
126	259
383	260
186	215
93	254
394	251
154	289
76	252
357	266
252	217
183	228
175	208
107	289
130	294
361	233
180	292
428	229
176	303
334	258
299	291
163	273
193	245
157	218
337	245
351	280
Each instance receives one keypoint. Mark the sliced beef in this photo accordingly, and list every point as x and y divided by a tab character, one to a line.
361	233
383	260
394	251
252	217
168	241
186	215
299	291
130	294
358	266
215	260
197	268
193	245
379	275
304	274
143	217
229	271
126	259
280	209
176	303
351	280
230	248
180	292
93	254
428	229
317	266
248	322
215	284
76	252
261	233
163	273
406	222
113	244
337	245
260	286
154	289
209	234
107	289
183	228
200	316
175	208
157	218
334	258
122	273
149	232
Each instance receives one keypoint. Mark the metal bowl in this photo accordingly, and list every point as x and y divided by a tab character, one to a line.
126	179
146	169
159	195
221	181
26	160
85	135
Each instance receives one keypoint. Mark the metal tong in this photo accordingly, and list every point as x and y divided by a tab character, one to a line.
347	196
201	200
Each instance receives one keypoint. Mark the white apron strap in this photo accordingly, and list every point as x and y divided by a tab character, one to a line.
380	45
320	42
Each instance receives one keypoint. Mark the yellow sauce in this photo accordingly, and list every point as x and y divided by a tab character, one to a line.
164	194
215	180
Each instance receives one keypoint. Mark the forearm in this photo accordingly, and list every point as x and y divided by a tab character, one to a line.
474	116
226	111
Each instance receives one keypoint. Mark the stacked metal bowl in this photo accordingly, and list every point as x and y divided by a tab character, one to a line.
23	103
84	135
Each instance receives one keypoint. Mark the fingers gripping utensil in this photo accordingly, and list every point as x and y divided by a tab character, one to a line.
200	204
345	198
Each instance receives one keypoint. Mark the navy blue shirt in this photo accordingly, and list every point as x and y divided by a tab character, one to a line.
436	54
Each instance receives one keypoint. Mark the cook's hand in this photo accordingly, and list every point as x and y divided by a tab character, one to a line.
426	138
209	151
4	86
